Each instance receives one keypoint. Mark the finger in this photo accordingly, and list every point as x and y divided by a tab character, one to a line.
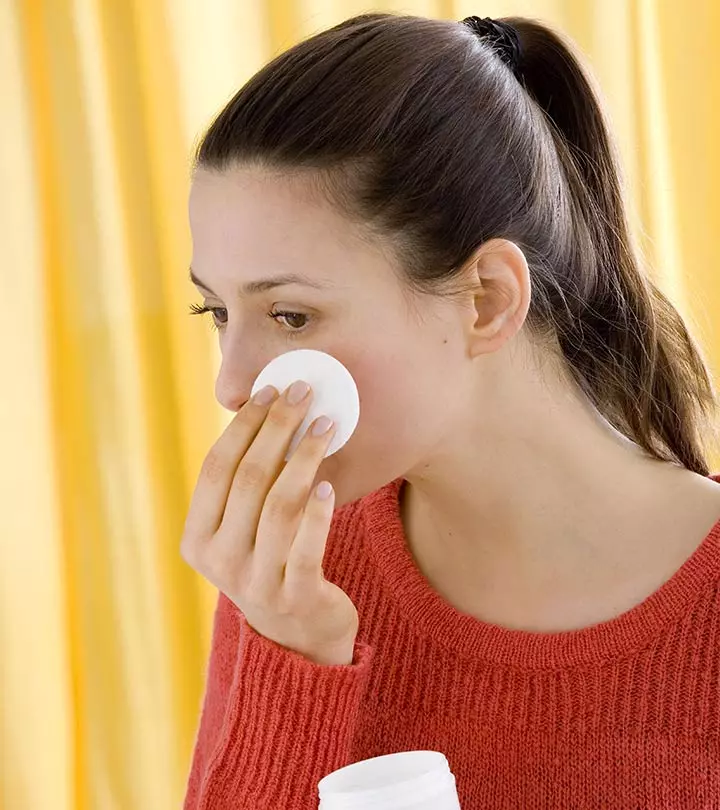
257	472
210	496
304	563
285	505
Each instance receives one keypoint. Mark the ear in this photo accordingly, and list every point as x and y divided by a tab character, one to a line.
502	296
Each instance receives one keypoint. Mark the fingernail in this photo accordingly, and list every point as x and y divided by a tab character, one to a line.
323	490
297	392
322	425
265	395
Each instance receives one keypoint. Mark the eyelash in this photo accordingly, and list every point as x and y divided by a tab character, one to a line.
196	309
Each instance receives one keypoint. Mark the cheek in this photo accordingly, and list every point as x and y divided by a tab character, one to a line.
386	441
400	363
404	407
398	397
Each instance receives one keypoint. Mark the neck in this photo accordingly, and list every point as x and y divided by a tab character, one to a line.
546	496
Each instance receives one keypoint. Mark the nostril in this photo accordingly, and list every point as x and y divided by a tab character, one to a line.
231	401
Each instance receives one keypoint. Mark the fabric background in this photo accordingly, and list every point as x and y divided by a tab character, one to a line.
107	406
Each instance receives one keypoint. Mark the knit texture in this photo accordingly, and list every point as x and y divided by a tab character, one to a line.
623	714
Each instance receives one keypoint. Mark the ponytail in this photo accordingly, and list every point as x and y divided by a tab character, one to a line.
626	344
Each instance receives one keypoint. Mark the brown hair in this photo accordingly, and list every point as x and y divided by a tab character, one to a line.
418	129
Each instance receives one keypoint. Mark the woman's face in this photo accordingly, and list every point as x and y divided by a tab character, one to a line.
405	352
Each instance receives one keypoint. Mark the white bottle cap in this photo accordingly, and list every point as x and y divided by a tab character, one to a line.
335	394
406	780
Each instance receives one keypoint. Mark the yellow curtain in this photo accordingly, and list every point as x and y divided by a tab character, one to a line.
107	405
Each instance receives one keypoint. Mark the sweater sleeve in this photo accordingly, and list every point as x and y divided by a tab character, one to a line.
273	723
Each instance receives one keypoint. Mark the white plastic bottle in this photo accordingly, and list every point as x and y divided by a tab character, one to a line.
408	780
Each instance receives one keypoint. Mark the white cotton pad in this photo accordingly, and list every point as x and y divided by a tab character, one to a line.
333	389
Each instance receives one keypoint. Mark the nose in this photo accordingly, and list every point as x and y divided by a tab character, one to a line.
235	380
231	397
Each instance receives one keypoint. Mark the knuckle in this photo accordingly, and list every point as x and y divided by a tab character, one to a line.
246	422
305	564
255	593
311	449
200	556
191	552
279	417
247	415
214	466
248	476
218	569
282	508
215	571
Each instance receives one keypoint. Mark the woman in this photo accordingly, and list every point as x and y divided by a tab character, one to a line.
517	563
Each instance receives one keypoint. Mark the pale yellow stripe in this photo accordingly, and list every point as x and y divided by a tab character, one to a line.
36	694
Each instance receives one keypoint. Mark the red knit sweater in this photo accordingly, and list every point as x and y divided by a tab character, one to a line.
623	714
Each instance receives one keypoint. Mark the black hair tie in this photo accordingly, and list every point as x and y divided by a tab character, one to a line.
503	37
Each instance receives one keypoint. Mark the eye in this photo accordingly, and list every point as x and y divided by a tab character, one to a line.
219	314
291	319
295	322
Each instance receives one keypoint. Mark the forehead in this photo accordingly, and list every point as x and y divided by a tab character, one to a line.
246	212
249	223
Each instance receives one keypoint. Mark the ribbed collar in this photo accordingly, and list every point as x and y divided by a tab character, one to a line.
468	636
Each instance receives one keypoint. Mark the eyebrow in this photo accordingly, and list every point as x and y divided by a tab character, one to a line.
264	284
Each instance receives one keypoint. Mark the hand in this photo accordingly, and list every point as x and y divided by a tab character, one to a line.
257	532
